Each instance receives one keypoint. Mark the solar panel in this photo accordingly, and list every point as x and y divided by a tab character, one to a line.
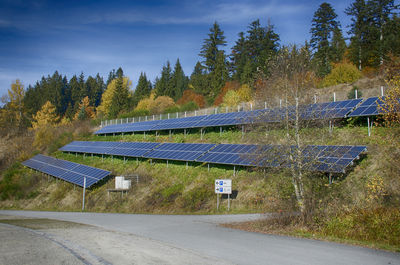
368	107
71	172
313	158
130	149
179	151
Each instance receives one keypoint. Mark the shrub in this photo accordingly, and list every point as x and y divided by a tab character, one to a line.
342	73
352	93
191	96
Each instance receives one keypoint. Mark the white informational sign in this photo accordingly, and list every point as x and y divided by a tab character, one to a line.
223	186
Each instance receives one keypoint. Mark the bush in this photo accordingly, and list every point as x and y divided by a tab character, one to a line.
191	96
342	73
134	113
352	93
190	106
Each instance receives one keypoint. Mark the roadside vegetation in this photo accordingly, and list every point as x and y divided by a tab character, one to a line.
360	206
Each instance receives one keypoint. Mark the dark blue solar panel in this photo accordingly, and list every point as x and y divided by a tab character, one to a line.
368	107
66	170
179	151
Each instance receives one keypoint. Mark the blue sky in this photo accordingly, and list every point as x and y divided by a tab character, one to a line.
40	37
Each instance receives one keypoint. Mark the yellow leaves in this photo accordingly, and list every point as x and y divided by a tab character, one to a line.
375	188
46	116
232	98
107	97
85	111
391	103
342	73
155	106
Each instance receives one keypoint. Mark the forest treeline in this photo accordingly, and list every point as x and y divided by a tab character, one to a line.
220	77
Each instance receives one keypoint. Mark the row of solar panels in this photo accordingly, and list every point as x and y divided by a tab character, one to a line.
68	171
329	110
313	157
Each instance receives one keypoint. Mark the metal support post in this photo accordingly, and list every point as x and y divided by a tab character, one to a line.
229	202
124	160
381	91
201	133
265	104
83	195
315	98
356	93
334	96
186	164
234	170
330	178
137	160
369	130
217	202
220	130
167	163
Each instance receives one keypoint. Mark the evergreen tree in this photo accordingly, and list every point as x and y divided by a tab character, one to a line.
252	51
238	57
338	46
111	76
324	24
359	29
381	11
143	89
198	80
210	49
179	82
119	73
120	99
218	77
163	86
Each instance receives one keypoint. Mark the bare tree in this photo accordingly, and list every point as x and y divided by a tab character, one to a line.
292	75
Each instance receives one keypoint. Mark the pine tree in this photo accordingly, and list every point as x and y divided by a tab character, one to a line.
143	89
218	77
238	57
338	46
119	73
359	28
163	86
198	80
324	24
381	11
110	100
210	49
179	82
120	99
253	50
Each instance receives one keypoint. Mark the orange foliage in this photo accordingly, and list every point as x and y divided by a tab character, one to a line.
190	95
230	85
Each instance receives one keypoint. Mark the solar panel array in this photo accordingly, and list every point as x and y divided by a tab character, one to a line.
313	157
370	107
129	149
330	110
66	170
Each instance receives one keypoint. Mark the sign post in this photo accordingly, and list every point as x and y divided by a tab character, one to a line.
223	186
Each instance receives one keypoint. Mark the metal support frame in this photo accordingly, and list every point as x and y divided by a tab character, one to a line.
369	124
83	195
220	130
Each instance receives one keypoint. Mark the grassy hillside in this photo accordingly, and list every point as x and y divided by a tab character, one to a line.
369	191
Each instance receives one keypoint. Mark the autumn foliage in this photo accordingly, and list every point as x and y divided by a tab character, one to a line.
190	95
231	85
85	111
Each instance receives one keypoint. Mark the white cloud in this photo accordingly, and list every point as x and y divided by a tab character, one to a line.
224	12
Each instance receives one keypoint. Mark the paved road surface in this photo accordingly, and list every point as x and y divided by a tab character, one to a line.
202	235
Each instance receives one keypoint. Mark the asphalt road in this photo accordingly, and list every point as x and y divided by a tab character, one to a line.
202	235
